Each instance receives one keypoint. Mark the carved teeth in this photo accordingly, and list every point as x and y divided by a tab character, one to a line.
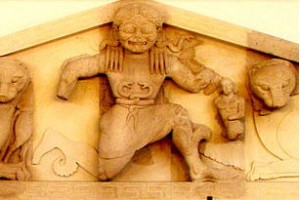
137	43
3	99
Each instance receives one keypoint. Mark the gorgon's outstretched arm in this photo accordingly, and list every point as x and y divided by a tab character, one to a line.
192	82
84	66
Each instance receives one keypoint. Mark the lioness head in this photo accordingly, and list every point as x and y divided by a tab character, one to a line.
14	77
273	81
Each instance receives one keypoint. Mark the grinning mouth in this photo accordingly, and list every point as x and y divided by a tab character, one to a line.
137	43
3	99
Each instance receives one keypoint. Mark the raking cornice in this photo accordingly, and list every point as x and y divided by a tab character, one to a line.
176	17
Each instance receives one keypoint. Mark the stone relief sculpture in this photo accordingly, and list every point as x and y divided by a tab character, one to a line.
75	155
136	61
16	123
273	87
231	108
271	84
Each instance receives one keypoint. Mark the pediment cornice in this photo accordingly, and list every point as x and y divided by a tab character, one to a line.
177	17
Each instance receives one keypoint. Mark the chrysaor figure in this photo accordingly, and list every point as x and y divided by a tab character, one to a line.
231	108
136	64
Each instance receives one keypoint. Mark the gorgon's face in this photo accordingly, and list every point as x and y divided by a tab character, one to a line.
138	34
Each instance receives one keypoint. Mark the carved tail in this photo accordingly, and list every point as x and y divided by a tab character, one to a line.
75	154
65	167
50	141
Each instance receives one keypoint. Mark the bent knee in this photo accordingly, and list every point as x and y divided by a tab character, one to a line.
180	116
109	168
179	111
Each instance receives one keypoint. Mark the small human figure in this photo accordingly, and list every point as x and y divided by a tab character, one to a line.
136	67
231	109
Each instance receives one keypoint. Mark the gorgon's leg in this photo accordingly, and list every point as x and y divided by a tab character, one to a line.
122	136
126	130
186	138
108	168
116	146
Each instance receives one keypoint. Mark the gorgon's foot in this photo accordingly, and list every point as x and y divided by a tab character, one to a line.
198	170
206	174
198	173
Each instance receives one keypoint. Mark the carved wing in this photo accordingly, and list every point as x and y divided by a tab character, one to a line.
183	46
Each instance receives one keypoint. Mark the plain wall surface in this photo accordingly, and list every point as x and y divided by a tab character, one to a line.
274	17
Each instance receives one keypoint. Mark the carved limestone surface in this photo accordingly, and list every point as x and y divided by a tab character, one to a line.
137	60
75	155
231	108
16	124
273	84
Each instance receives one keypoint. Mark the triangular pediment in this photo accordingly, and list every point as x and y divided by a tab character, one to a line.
66	128
177	17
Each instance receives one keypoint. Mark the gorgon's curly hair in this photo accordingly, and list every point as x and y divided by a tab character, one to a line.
130	11
159	61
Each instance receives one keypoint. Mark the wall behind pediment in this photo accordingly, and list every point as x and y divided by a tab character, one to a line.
276	17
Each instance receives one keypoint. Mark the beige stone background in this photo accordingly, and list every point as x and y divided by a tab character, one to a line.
275	17
81	114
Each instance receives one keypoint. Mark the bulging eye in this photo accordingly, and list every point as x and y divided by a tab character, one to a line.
264	87
285	84
15	79
148	30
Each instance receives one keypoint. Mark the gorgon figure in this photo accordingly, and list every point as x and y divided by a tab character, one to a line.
136	63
